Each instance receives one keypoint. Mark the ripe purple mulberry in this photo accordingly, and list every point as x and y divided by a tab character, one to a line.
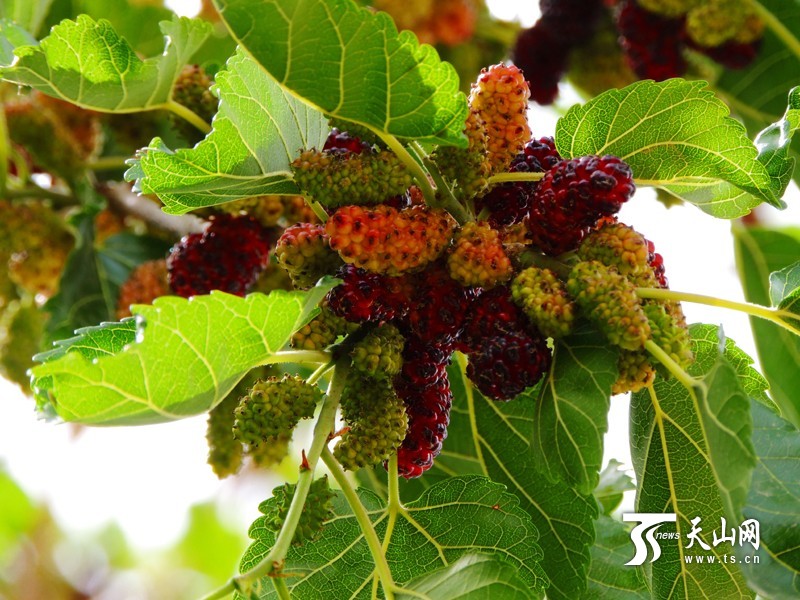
573	196
502	367
366	296
652	43
229	256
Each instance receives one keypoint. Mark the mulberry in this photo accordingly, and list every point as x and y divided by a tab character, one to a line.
502	367
225	452
385	240
273	407
573	196
715	22
500	98
609	300
493	314
572	21
343	141
304	252
467	167
425	389
229	256
21	333
192	89
652	43
267	210
379	353
508	203
478	258
317	509
544	299
622	247
339	177
366	296
669	331
146	282
377	422
539	50
321	331
438	306
635	372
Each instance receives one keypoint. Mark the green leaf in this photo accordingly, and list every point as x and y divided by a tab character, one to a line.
18	517
28	14
572	410
471	577
774	501
187	355
433	534
675	135
494	439
774	143
131	20
784	288
693	456
105	339
352	64
759	253
11	36
258	131
87	63
611	486
609	578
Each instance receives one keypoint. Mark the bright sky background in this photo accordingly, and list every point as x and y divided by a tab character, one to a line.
145	478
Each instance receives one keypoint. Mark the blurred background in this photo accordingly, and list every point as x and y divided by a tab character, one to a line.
136	513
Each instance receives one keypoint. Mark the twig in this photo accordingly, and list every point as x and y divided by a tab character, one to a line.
125	201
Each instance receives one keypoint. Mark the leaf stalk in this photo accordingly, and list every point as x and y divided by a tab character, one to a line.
188	115
377	552
322	430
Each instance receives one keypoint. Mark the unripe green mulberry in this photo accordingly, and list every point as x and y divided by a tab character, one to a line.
715	22
21	330
336	179
377	420
669	332
271	451
38	243
544	299
623	248
752	29
192	89
468	167
478	258
273	407
225	452
609	300
668	8
321	331
267	210
317	509
379	353
635	371
303	251
600	64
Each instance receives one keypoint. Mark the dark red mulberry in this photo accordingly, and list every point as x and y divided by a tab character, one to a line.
439	306
503	367
573	21
366	296
344	142
492	314
508	203
229	256
540	53
425	389
573	196
653	44
733	54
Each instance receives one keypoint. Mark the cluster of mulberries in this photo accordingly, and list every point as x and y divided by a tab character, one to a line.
654	34
600	45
